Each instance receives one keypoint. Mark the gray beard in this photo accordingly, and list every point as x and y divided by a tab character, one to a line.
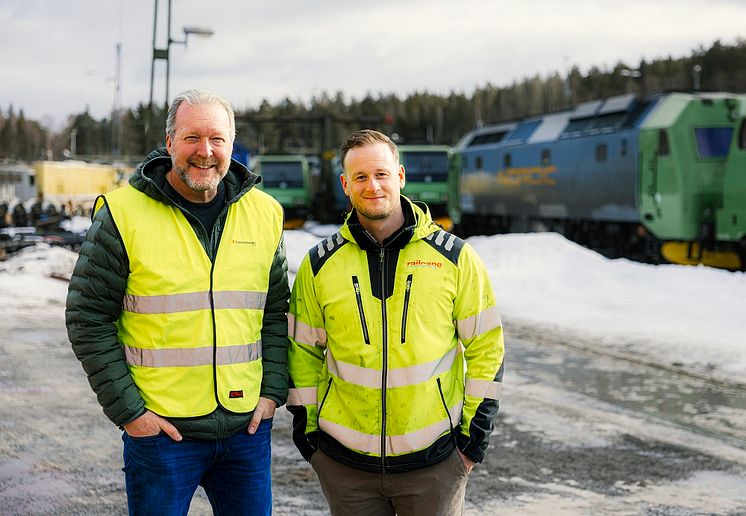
197	187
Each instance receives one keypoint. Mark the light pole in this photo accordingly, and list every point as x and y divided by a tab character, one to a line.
163	53
73	143
201	32
696	72
631	74
116	121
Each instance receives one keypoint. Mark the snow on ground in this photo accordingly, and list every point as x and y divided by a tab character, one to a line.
666	314
705	492
76	224
35	277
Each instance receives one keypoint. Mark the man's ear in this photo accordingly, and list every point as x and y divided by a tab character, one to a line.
168	143
343	180
402	177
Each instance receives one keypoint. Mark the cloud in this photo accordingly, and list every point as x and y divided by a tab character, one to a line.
63	53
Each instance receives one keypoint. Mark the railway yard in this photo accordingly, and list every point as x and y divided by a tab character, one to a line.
580	431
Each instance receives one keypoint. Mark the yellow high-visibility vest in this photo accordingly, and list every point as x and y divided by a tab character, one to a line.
191	327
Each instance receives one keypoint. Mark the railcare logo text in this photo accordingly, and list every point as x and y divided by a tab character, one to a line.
424	263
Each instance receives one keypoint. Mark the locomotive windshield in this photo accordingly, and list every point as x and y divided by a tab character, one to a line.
282	174
713	142
425	166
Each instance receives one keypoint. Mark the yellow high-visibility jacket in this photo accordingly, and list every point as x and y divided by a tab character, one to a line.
396	351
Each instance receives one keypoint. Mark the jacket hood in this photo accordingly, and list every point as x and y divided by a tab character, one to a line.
418	224
150	177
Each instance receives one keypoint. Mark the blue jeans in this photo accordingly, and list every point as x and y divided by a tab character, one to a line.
162	475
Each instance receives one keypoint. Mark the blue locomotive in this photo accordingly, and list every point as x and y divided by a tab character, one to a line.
628	176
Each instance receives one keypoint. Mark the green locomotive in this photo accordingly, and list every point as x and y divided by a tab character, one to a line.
287	178
430	177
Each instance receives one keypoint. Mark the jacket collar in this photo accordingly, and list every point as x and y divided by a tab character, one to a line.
417	224
150	177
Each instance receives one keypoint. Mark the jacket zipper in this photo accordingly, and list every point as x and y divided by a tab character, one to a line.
323	400
384	369
356	286
406	307
214	334
448	413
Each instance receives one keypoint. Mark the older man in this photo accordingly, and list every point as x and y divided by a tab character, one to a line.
177	311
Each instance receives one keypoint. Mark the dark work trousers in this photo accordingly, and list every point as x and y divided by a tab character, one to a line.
431	491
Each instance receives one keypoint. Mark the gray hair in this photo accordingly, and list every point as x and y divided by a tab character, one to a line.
197	98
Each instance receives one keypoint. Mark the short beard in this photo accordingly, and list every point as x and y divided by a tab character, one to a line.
372	216
210	184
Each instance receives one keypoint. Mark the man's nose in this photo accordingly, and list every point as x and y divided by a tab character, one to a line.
373	184
204	148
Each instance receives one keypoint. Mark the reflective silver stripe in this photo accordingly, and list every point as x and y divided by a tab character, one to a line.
395	444
240	354
191	301
304	396
424	437
330	244
449	244
190	357
354	374
305	334
237	299
166	304
400	377
477	324
440	236
483	389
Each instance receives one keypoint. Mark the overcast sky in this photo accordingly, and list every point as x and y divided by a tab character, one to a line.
59	57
